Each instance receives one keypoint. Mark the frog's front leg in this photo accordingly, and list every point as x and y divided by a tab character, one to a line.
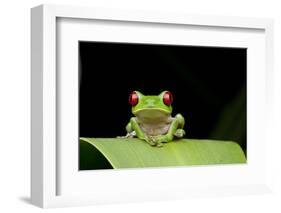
133	125
176	129
130	132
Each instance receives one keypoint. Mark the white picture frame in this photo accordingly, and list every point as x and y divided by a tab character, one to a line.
47	165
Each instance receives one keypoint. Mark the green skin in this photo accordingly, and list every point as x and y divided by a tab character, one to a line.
153	122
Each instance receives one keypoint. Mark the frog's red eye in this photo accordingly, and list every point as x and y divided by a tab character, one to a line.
133	98
168	98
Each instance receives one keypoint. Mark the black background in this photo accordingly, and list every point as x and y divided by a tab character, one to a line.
208	85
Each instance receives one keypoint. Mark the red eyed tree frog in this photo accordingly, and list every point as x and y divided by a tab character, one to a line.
153	121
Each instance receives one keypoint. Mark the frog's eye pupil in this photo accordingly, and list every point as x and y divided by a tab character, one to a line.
168	98
133	99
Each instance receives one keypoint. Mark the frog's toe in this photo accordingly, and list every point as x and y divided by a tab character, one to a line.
159	144
179	133
120	137
151	141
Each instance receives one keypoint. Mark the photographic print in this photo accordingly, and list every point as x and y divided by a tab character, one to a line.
159	105
122	99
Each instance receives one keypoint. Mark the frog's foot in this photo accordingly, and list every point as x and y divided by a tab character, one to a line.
159	144
179	133
151	140
157	141
129	135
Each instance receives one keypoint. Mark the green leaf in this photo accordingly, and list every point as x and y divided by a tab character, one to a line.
105	153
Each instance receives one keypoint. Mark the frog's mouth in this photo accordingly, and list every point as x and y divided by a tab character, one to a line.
152	113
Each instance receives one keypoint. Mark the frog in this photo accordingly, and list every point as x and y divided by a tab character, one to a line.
152	121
